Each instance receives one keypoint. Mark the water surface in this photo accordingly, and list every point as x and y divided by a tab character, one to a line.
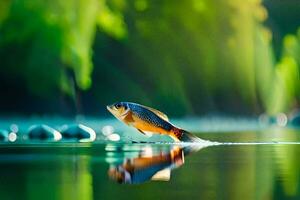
249	165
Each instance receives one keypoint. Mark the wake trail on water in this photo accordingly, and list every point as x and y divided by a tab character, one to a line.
259	143
211	143
206	143
214	143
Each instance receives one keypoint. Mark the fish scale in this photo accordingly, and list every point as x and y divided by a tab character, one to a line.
149	116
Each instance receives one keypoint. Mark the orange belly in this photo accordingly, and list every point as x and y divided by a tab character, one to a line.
145	126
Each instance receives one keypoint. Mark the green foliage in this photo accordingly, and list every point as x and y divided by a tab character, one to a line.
199	55
185	57
285	94
55	36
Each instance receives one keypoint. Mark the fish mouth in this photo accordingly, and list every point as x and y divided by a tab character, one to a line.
109	108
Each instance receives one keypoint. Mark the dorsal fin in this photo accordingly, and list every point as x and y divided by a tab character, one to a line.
159	113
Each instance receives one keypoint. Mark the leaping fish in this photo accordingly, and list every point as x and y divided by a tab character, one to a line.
149	121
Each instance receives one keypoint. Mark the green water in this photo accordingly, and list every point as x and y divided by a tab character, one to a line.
122	170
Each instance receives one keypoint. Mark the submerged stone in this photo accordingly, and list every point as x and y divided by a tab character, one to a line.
4	135
43	132
78	132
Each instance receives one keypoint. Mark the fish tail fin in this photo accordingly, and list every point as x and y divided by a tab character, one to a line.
184	136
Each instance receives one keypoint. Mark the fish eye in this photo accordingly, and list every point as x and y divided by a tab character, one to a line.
118	105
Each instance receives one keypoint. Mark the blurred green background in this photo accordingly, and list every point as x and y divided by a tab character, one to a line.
187	58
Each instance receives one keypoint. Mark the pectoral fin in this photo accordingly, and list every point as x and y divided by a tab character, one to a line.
146	133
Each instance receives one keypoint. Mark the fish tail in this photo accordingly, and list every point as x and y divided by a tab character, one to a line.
184	136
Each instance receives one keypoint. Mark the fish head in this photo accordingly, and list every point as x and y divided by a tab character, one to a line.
119	109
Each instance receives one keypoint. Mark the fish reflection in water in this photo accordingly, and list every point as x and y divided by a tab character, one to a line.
149	165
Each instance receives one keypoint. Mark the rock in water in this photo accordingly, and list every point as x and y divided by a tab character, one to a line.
78	132
43	132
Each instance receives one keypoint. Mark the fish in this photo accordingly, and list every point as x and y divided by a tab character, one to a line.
149	164
140	169
149	121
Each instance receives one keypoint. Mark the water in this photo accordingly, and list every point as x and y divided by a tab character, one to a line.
258	164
